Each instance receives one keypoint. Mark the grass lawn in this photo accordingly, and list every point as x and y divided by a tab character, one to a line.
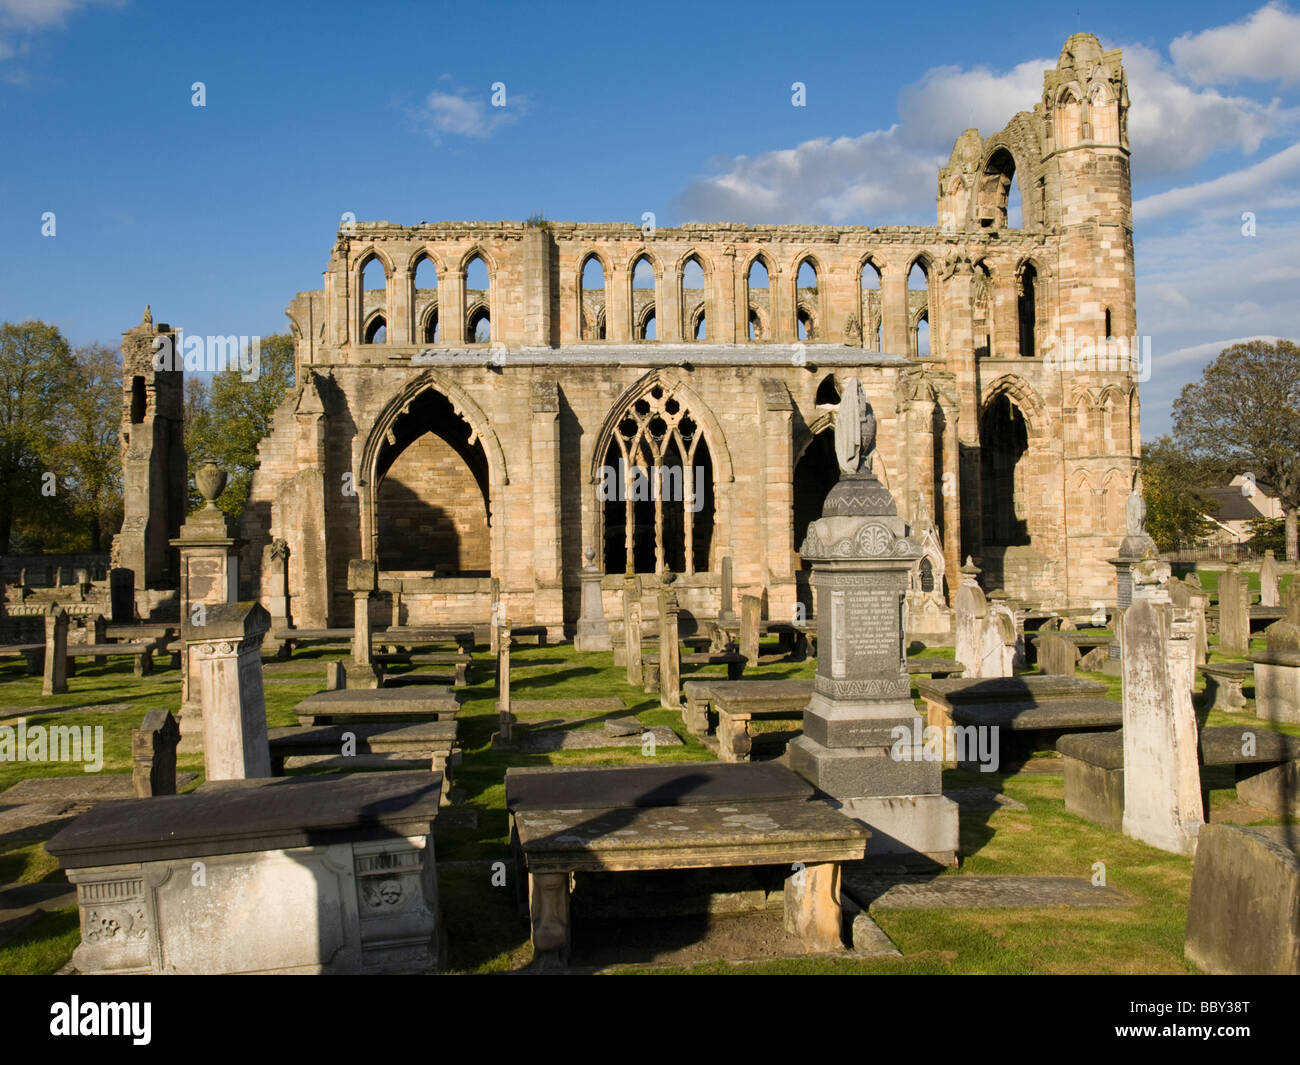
486	933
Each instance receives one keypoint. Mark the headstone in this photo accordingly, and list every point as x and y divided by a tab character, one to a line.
1194	579
670	662
998	642
1162	782
1291	600
969	608
862	737
1269	576
593	629
1277	674
1234	613
727	615
227	650
335	676
275	564
751	617
632	630
56	650
153	755
1189	597
363	579
506	716
1057	655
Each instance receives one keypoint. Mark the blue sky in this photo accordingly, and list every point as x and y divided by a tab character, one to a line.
217	215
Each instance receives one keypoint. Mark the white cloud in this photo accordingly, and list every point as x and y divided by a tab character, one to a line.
460	113
20	19
1262	47
1173	126
870	176
1268	183
948	100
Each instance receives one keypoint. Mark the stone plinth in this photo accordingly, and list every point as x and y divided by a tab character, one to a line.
56	650
227	653
363	579
209	563
861	703
593	629
316	875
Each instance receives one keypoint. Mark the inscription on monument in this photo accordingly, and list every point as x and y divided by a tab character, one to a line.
868	626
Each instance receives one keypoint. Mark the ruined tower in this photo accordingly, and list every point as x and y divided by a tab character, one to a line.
153	462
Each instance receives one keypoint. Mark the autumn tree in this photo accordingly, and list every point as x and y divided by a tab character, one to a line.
1176	511
36	384
226	420
1245	411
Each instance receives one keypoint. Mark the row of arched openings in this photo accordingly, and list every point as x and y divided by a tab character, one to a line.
424	301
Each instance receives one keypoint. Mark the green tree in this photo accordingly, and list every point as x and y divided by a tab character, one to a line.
90	450
36	384
225	421
1245	411
1175	509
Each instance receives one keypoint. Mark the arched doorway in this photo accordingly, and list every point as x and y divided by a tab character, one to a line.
432	493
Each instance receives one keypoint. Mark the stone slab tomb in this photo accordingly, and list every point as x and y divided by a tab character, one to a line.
315	875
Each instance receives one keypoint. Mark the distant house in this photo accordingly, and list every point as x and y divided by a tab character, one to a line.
1240	502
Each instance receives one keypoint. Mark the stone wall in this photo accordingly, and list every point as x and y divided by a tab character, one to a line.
1040	504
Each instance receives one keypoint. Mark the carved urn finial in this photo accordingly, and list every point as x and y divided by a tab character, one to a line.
210	480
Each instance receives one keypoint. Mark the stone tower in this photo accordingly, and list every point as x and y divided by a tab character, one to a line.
153	459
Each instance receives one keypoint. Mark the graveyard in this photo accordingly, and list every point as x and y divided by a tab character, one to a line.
755	610
1038	856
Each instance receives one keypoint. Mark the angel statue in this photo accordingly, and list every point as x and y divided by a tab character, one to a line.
855	430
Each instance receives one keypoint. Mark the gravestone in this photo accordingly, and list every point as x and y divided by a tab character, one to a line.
1277	674
970	608
998	642
727	615
504	713
153	755
56	650
632	630
1190	597
1234	612
1136	545
363	579
1162	782
227	651
670	662
593	629
1269	576
275	563
1291	600
861	741
1057	655
751	616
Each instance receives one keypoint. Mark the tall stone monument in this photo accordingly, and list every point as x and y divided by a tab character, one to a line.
1162	781
1234	612
209	560
1136	545
227	651
861	705
1269	579
593	629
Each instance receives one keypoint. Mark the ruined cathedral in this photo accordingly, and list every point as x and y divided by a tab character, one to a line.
473	400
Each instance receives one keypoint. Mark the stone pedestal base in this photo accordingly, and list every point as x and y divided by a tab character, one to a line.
593	636
907	826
